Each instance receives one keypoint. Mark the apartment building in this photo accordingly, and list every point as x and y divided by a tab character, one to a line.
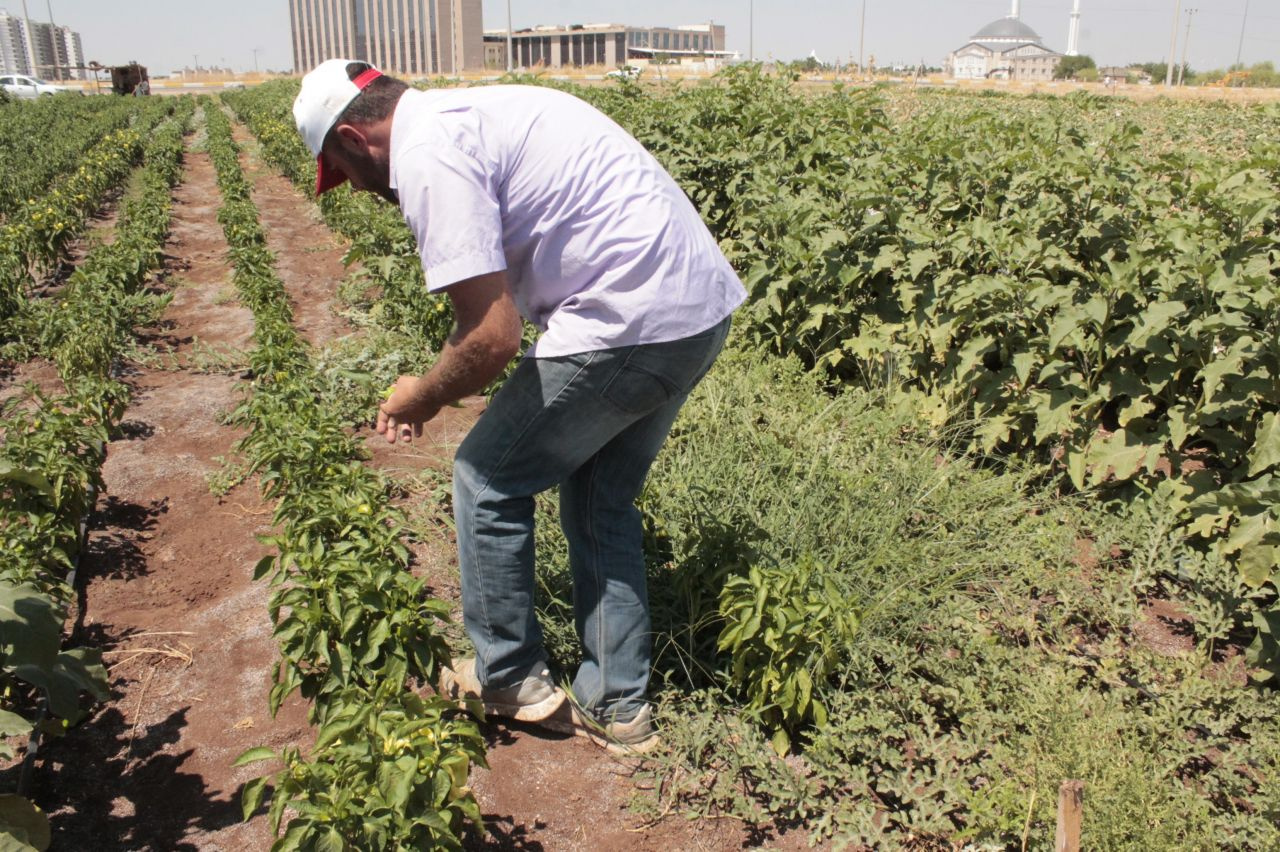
406	37
51	52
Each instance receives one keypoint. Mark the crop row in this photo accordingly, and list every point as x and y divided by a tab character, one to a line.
51	459
379	239
35	235
388	768
45	138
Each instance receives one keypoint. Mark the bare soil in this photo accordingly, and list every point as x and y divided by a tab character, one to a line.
166	590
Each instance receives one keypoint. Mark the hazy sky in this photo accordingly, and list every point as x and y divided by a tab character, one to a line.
168	35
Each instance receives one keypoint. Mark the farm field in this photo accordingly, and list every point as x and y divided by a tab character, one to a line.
980	499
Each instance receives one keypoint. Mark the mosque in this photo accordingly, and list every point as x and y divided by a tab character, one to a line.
1008	49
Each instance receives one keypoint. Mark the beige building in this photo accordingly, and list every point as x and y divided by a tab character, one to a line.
407	37
604	44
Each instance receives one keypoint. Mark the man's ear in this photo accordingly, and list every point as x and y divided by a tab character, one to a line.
351	137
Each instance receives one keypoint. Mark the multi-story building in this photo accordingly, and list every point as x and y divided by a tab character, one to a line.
70	53
56	52
408	37
14	56
42	51
603	44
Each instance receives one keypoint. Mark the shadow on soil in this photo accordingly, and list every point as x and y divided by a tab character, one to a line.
501	833
100	786
119	525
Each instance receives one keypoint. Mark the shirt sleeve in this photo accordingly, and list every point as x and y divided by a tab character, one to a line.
449	199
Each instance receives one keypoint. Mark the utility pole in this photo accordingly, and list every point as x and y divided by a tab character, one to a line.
862	40
31	51
751	31
509	36
1173	44
1186	39
53	41
255	59
1243	23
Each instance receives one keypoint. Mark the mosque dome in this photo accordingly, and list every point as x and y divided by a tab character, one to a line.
1007	29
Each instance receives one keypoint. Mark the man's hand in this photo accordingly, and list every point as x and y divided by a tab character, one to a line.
485	340
402	415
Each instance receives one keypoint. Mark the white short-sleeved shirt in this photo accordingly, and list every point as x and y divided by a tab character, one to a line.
601	247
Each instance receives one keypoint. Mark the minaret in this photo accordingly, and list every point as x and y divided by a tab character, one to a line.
1017	10
1073	35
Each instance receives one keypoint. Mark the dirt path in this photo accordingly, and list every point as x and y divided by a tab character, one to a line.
168	592
308	254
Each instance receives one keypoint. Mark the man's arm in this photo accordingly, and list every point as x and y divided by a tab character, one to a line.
487	337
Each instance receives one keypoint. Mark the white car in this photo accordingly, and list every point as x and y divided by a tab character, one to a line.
22	86
626	72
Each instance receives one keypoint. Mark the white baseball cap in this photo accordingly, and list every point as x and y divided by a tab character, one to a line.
326	91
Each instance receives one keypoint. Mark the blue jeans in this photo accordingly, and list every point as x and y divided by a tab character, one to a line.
591	423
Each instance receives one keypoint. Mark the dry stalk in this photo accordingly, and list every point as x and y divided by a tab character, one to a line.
168	652
245	510
137	719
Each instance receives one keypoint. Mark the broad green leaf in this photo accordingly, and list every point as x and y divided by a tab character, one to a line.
23	826
1249	530
1266	445
251	796
330	841
1257	563
298	834
1264	652
30	628
1153	321
263	566
781	742
1077	467
1054	412
31	478
1132	409
1064	329
254	755
13	725
992	432
1118	456
1024	364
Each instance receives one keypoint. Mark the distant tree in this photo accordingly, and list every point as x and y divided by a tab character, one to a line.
1156	70
807	65
1263	74
1258	75
1070	66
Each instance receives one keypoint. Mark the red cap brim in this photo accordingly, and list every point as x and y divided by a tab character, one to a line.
327	177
